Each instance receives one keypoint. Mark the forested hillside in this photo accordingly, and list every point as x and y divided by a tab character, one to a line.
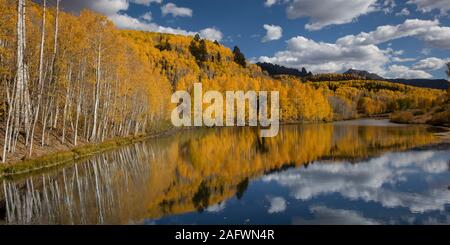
352	74
363	74
441	116
67	80
274	70
423	83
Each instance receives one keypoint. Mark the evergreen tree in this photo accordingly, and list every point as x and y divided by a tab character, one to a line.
163	44
167	45
304	73
219	57
198	50
197	37
239	57
203	51
448	73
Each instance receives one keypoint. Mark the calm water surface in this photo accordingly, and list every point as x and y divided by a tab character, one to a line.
363	172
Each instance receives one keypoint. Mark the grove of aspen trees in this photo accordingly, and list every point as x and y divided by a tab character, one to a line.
68	80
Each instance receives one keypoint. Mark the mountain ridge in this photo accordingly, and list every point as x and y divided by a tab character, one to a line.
274	69
277	70
364	74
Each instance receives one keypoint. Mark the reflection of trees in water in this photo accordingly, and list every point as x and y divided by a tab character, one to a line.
201	197
166	206
284	167
186	172
89	193
241	188
261	145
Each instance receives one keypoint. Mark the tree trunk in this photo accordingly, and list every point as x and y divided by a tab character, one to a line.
97	93
40	78
20	106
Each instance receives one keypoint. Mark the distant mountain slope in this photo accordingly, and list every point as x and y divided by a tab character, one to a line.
364	74
423	83
352	74
274	70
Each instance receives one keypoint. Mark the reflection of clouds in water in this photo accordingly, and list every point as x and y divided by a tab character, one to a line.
328	216
435	221
428	161
277	205
370	181
216	208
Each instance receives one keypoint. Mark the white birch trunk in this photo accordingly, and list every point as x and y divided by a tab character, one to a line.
40	78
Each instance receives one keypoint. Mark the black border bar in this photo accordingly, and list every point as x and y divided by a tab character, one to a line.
152	234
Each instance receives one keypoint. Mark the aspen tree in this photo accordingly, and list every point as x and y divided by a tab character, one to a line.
448	74
53	84
20	106
40	76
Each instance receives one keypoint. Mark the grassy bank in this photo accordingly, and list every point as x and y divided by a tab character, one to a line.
437	116
78	153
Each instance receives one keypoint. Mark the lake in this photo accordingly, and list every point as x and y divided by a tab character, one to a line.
357	172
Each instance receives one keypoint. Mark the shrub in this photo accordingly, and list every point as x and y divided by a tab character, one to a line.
402	117
441	119
419	113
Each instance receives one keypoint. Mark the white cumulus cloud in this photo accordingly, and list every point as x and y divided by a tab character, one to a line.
330	216
124	21
106	7
277	205
388	6
211	34
403	12
322	57
431	63
269	3
372	181
113	8
360	51
273	33
428	31
175	11
147	16
146	2
216	208
323	13
429	5
399	71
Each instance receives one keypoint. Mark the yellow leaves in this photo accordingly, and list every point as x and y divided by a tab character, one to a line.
375	97
144	68
228	156
302	102
369	106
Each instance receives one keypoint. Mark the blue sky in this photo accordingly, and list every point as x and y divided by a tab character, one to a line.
394	38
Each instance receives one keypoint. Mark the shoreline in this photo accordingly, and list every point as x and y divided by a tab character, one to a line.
55	159
444	136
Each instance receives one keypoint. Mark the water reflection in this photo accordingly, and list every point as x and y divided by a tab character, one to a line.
413	180
341	173
102	190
